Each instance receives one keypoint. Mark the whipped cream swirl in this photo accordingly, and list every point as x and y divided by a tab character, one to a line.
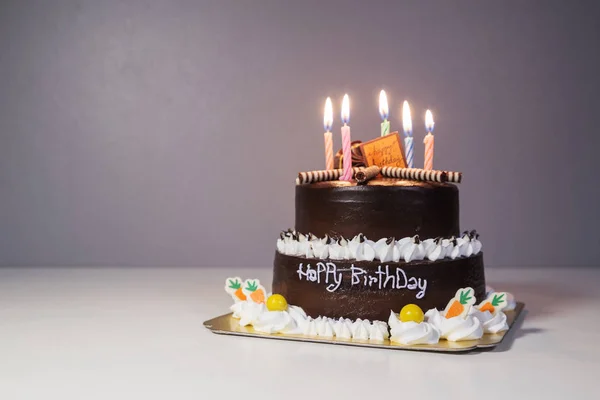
274	322
491	323
247	311
409	333
343	328
456	328
360	248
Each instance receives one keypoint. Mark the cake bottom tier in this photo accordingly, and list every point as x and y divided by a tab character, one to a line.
370	289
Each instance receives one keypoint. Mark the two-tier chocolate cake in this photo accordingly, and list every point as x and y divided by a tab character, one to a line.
376	256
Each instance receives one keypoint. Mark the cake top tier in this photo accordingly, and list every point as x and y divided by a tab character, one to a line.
381	208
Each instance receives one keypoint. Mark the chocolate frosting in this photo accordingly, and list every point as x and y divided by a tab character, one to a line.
444	278
384	207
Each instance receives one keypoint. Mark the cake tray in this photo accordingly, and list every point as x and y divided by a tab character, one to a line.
227	325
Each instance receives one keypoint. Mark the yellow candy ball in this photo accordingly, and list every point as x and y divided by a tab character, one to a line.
276	302
411	312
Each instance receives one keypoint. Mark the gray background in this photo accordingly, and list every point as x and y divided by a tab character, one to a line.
170	132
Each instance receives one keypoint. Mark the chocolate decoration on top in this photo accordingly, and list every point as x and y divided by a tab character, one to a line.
322	175
364	175
382	208
453	177
357	156
415	174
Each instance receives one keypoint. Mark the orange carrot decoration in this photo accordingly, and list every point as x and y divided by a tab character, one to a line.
233	286
494	303
254	291
461	303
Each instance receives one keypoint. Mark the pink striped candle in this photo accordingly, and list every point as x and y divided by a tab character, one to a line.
428	141
346	141
327	123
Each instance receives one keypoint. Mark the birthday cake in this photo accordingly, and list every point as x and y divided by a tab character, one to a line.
375	240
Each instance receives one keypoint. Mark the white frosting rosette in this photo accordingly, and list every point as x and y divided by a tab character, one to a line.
428	244
273	322
361	249
414	250
247	311
409	333
310	329
491	323
452	248
434	250
343	328
386	250
402	244
465	246
292	321
360	329
320	248
456	328
378	331
304	247
324	327
339	250
290	246
353	244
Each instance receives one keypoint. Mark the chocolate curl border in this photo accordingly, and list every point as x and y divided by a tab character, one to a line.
367	174
323	175
416	174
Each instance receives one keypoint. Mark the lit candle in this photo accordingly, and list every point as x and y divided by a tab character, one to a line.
346	140
384	111
327	123
408	140
428	140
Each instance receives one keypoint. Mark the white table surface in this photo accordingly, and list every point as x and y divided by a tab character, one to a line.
110	333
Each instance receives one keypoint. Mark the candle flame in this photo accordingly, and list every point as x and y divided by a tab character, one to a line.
406	119
328	115
346	109
384	110
429	121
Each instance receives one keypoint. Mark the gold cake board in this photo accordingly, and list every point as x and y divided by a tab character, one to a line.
227	325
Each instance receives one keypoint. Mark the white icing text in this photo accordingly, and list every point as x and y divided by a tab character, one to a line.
382	278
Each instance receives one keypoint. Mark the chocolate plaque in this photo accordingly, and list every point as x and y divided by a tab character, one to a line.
384	151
